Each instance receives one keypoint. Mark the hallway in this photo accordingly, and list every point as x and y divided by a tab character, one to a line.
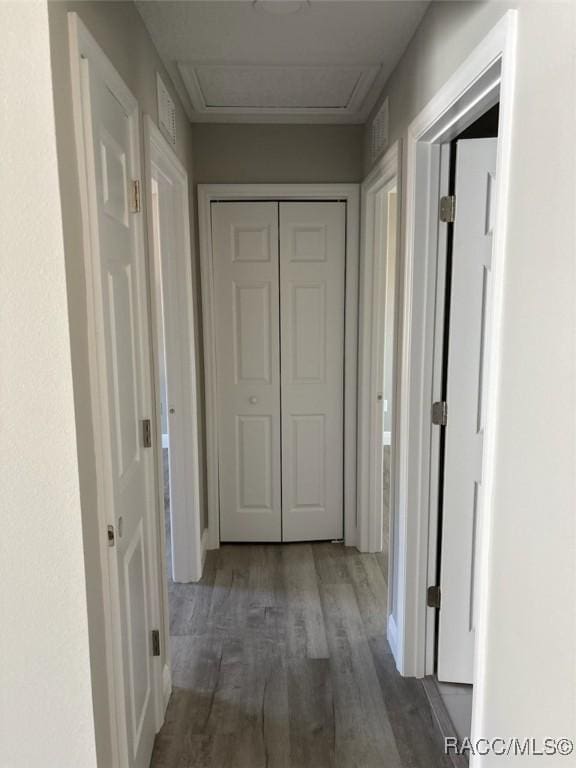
279	658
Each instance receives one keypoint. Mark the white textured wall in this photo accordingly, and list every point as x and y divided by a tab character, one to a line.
46	718
528	685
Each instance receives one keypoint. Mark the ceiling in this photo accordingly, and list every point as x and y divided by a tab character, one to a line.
280	60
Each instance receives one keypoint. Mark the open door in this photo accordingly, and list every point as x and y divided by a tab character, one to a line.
470	288
120	314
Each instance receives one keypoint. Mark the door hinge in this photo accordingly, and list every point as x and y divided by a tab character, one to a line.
433	597
448	208
440	413
135	203
155	642
146	433
111	536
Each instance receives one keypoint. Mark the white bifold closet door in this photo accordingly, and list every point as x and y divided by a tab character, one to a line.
312	268
246	285
279	272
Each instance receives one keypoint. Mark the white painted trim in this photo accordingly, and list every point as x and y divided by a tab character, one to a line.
440	187
84	49
349	193
205	547
387	438
165	440
357	107
371	319
392	635
487	74
166	688
186	520
492	373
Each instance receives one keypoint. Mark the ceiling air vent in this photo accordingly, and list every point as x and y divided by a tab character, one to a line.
166	112
379	135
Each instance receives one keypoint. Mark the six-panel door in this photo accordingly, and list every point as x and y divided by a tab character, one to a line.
279	275
312	268
245	252
124	312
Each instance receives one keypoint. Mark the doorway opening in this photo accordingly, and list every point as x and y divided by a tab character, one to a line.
462	295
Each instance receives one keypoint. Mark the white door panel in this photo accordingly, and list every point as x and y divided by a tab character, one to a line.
312	273
472	250
245	253
124	296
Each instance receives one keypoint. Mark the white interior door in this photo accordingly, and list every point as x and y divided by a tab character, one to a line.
126	363
245	255
472	252
312	274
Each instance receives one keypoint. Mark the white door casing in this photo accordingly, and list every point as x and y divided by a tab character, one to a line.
175	348
215	193
246	284
377	316
125	366
470	290
312	275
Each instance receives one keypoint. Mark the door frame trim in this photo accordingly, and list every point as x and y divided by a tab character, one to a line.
348	193
187	564
487	76
83	46
371	317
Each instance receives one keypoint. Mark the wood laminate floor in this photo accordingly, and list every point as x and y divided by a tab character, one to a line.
280	660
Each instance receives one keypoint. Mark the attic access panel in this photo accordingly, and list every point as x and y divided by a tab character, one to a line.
290	89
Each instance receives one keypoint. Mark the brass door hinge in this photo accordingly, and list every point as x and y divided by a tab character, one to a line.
135	202
146	433
155	642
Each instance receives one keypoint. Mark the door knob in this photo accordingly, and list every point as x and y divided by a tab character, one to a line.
172	410
253	400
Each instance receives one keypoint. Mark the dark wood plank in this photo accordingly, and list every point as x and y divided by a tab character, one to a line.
363	733
305	632
312	713
418	738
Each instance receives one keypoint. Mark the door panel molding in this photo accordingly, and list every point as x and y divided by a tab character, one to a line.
348	193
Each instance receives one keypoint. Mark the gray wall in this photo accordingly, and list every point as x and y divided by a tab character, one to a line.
447	34
533	527
248	153
119	30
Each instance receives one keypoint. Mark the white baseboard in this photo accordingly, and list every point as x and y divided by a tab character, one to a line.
392	636
204	546
166	687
